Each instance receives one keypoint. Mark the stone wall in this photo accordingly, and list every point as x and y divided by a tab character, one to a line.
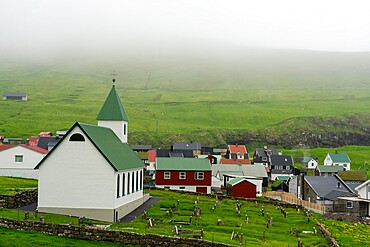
19	200
327	235
95	234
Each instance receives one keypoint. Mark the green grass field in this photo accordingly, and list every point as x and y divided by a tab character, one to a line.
277	235
10	237
212	104
10	185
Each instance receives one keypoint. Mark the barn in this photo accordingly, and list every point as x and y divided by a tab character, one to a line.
241	187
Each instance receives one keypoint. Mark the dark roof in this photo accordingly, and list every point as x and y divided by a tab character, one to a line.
14	94
45	140
284	160
141	147
187	146
324	186
166	153
281	171
337	193
262	152
112	108
119	155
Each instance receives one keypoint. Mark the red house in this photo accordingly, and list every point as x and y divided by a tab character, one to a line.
240	187
189	174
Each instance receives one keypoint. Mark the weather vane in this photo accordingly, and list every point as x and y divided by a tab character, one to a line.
113	75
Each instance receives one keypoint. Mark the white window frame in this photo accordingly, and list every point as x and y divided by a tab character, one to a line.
264	158
18	156
167	175
182	175
199	175
349	204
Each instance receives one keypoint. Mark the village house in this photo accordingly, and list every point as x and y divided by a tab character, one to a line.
15	96
281	165
256	174
338	159
309	163
323	190
195	147
20	160
237	152
327	170
263	156
188	174
92	172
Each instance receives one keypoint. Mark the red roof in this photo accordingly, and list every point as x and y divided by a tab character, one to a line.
4	147
234	149
33	140
152	155
46	133
35	148
235	162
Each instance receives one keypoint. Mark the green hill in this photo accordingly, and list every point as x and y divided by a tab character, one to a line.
244	95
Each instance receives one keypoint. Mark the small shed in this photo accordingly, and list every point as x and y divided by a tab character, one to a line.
240	187
15	96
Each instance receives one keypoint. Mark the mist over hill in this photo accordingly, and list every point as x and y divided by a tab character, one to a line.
213	94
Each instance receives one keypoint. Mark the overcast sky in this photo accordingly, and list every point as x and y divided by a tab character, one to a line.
31	27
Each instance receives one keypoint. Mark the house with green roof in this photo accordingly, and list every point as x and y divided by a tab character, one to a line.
309	162
241	187
338	159
323	170
92	172
188	174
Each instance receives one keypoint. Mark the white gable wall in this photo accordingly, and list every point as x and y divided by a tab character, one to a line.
312	164
329	162
76	176
117	127
8	166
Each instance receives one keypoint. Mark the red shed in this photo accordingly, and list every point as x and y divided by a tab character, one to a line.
240	187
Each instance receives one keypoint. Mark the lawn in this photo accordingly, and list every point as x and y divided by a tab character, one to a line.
11	185
276	235
9	237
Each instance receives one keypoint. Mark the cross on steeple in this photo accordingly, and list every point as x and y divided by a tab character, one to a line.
113	75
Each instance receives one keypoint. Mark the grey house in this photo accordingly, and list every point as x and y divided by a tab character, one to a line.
15	96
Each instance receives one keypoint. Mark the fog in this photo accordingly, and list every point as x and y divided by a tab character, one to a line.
62	29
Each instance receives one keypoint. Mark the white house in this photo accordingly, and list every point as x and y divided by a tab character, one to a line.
20	160
338	159
310	162
92	172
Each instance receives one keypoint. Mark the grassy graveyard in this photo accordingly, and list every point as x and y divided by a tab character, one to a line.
221	221
11	185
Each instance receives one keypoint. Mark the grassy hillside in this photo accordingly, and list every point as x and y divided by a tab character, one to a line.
209	97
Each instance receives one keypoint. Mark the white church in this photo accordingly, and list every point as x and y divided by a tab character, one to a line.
92	172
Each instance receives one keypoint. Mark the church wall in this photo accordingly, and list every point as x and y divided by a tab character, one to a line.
77	176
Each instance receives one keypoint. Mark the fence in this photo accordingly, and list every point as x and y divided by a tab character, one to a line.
293	199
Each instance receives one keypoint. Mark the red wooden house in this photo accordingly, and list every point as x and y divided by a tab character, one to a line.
240	187
189	174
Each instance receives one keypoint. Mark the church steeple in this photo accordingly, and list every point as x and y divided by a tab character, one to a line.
113	115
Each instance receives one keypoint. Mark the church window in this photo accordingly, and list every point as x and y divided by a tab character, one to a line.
77	138
141	180
128	183
124	129
123	184
118	185
137	181
133	182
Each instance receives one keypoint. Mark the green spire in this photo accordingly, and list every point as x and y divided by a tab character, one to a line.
112	108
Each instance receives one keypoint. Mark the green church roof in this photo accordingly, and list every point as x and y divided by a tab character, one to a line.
119	155
112	108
